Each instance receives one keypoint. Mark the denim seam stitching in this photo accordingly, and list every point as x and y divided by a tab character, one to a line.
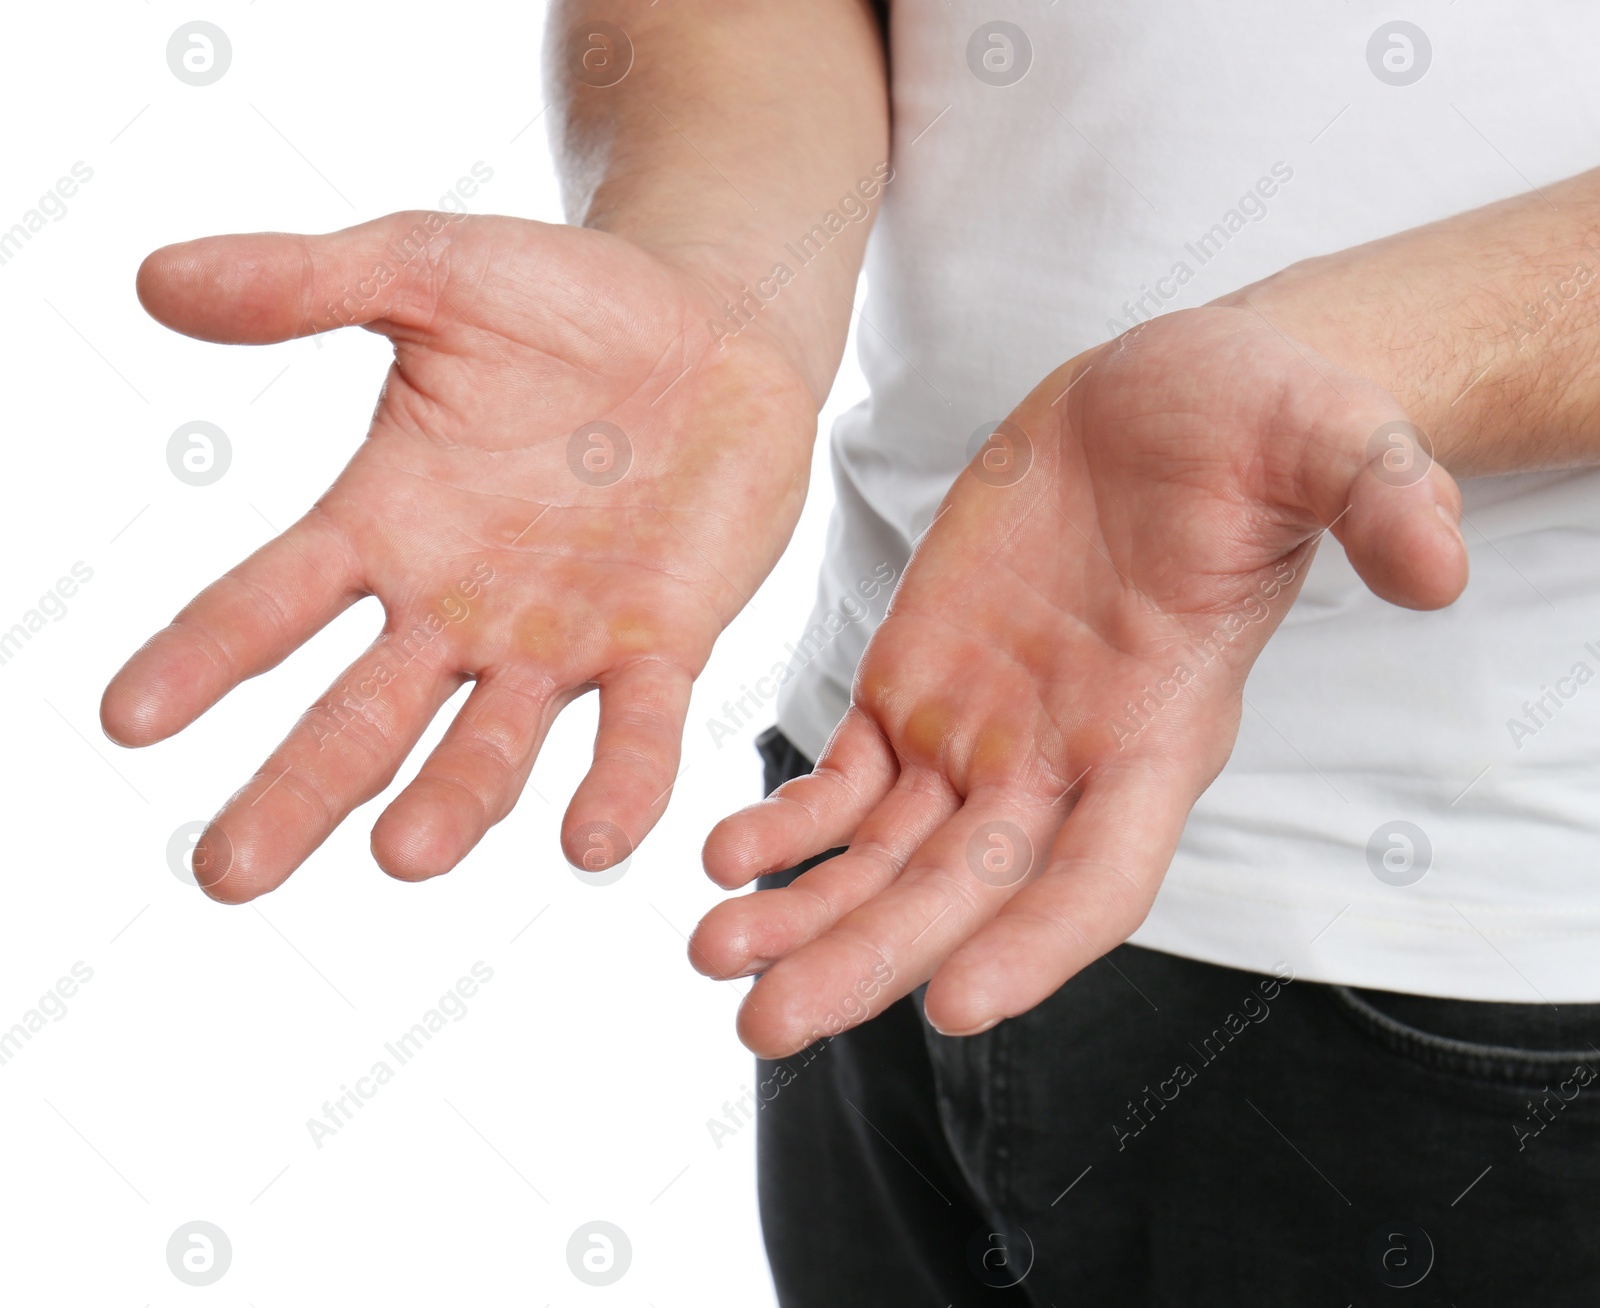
1449	1054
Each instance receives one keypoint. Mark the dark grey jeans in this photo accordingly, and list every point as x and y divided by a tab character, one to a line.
1165	1132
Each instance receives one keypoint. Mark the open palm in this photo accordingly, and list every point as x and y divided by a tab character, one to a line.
565	485
1060	675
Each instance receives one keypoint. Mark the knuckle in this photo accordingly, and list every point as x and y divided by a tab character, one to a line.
814	903
877	855
489	750
450	781
263	602
209	644
633	757
312	798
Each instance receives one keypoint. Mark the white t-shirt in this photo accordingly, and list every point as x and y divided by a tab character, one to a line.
1152	157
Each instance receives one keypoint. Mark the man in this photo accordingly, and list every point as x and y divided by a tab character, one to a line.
1348	1048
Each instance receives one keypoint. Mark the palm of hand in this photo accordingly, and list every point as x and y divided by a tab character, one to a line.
1059	676
564	485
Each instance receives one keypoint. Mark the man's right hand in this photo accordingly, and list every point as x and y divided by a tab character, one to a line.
566	484
1061	674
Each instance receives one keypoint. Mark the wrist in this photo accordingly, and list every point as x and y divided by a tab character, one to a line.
749	298
801	313
1326	304
781	284
1480	373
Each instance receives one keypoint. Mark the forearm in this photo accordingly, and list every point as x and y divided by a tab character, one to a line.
738	128
1486	326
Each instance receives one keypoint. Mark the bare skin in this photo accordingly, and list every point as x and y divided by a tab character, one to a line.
1182	481
1171	502
551	561
1175	491
571	480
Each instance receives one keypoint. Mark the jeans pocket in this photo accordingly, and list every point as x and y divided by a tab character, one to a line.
1517	1045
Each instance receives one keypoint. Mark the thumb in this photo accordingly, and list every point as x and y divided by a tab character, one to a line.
261	287
1399	528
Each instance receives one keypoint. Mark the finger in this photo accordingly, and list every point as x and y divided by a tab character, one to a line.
883	950
1371	477
472	779
272	286
238	627
748	934
810	814
344	750
636	749
1095	890
1402	536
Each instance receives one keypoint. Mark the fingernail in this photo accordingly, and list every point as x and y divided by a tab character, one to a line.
1449	519
754	967
979	1029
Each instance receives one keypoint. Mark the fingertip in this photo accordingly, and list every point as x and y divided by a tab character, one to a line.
1405	543
961	1032
243	288
594	844
719	948
127	719
151	283
222	870
732	852
137	710
415	838
1426	568
180	285
232	897
960	999
767	1025
702	955
166	684
1455	561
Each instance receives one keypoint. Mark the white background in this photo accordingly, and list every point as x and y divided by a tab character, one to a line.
179	1082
